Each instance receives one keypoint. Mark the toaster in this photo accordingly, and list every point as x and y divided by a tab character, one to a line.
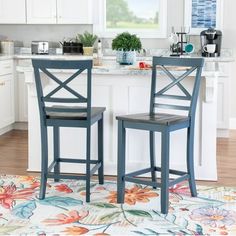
39	47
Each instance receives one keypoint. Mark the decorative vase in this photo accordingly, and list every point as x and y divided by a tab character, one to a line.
88	51
126	57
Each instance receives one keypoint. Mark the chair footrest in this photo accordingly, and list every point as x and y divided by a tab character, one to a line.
174	172
70	160
81	161
132	177
59	176
65	176
141	181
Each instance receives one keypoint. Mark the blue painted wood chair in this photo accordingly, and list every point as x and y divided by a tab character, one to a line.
165	123
73	114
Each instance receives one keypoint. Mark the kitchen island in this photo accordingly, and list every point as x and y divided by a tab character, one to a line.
123	90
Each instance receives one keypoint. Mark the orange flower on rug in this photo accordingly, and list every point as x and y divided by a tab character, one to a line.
9	193
71	217
134	195
75	230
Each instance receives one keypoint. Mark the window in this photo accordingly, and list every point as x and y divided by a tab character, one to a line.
146	18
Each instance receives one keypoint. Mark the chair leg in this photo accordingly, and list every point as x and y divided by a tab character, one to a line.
165	136
190	162
121	163
44	162
88	153
56	140
152	155
100	151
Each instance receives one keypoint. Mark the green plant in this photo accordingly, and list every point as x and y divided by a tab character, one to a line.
126	42
86	39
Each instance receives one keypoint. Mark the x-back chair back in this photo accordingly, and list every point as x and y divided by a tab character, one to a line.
46	65
166	64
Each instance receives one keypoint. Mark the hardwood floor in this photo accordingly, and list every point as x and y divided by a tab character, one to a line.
14	149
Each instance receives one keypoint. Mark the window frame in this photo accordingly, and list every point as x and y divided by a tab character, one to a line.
99	25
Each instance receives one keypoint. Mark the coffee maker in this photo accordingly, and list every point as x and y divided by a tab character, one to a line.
213	37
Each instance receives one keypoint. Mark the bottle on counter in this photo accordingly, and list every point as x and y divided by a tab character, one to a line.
7	47
99	52
99	48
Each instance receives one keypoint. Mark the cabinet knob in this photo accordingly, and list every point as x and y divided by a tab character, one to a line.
2	83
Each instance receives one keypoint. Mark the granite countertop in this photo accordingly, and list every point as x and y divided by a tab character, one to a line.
226	56
108	65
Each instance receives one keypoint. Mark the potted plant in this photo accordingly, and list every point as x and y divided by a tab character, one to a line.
88	40
126	45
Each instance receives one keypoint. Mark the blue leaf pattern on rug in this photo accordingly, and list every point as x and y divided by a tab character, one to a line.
24	210
60	201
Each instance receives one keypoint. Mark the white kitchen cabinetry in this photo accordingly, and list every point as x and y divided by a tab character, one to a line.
41	11
21	95
12	12
59	11
223	102
7	108
74	12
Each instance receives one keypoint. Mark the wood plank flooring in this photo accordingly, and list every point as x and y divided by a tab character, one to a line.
14	150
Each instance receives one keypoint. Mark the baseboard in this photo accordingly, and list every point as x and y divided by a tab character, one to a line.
20	125
6	129
16	125
232	123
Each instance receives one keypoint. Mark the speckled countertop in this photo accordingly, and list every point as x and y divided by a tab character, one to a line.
108	65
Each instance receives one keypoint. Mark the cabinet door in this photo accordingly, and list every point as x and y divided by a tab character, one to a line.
74	12
41	12
12	12
7	100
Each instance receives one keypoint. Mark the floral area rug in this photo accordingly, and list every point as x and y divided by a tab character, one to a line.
65	212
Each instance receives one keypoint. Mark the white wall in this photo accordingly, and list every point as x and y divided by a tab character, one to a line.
52	33
229	41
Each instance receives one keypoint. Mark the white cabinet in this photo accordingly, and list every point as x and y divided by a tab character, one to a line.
7	108
12	12
59	11
223	101
74	12
41	11
21	102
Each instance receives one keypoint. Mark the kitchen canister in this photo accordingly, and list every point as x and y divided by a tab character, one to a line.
7	47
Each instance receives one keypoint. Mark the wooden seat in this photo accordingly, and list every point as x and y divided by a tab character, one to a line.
72	115
155	121
157	118
95	111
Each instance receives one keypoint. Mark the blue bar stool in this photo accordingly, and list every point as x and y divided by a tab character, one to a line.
73	115
164	123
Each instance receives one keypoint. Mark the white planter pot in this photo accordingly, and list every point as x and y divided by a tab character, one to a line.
126	57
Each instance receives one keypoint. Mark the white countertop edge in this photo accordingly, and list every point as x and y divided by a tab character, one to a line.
106	58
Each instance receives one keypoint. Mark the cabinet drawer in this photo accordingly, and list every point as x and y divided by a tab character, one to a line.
6	67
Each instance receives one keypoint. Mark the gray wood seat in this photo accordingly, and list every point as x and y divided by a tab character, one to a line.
95	111
157	118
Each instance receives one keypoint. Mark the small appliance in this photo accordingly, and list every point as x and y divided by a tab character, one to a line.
39	47
7	47
69	47
211	41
